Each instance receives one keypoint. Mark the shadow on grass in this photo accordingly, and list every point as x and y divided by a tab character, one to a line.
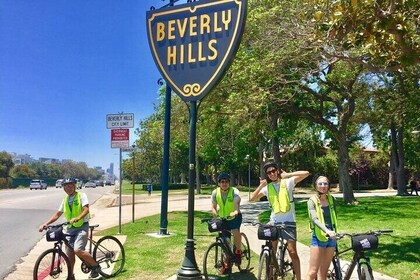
406	250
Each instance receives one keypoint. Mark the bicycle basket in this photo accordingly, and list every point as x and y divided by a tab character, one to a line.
268	232
216	225
364	242
54	234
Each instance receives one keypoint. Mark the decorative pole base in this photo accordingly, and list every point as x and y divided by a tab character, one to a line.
189	269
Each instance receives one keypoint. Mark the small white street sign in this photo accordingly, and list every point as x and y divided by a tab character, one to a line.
120	120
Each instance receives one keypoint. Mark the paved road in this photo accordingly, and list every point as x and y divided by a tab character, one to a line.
145	206
22	211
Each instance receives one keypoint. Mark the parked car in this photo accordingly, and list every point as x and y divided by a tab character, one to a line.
90	184
38	184
58	183
108	183
79	184
100	183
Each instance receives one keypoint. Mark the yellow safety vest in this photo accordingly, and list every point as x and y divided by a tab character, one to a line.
322	236
75	210
279	201
227	206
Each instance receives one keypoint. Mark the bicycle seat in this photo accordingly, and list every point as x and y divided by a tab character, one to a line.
93	226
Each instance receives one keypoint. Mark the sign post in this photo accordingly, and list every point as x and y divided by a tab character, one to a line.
120	138
193	45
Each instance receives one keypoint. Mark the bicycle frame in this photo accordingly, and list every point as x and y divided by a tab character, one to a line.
358	258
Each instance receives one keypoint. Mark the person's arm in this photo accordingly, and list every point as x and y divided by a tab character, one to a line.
85	211
237	203
214	209
257	194
315	220
51	220
297	175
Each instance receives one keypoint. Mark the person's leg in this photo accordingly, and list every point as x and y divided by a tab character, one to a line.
237	238
314	262
291	248
79	248
325	261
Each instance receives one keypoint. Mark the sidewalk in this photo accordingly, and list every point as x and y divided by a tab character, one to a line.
105	212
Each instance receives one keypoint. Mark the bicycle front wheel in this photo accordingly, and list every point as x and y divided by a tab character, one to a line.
365	272
217	263
246	253
52	264
109	254
264	268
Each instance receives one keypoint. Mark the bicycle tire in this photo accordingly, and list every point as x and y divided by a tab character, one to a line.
246	254
217	263
365	272
335	272
110	255
46	266
285	263
264	268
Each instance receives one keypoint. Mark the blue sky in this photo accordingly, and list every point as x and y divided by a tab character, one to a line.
65	65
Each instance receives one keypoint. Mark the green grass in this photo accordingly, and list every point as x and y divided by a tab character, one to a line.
159	258
398	254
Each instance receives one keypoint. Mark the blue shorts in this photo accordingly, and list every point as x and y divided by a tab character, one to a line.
327	244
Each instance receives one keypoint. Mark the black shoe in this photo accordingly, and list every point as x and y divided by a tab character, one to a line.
71	277
94	272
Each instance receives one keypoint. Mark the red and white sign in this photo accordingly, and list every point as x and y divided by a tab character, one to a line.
120	138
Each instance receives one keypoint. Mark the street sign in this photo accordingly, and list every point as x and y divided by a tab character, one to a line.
120	138
128	150
120	120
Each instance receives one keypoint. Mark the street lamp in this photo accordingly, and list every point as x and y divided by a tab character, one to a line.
249	176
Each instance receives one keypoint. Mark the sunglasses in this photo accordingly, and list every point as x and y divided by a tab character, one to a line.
271	171
224	181
323	184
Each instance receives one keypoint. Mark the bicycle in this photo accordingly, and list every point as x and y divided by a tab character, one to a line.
361	242
53	263
271	268
219	257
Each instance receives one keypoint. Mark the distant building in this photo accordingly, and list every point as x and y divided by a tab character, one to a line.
22	159
110	170
100	170
49	160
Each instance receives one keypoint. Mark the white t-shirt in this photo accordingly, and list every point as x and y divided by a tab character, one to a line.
236	194
288	216
83	200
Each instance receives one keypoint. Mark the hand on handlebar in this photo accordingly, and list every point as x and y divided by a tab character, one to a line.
42	227
331	234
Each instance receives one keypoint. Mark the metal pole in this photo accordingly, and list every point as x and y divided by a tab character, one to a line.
165	163
120	197
189	269
249	180
134	184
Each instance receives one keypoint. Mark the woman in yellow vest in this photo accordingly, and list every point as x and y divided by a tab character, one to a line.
75	207
226	203
278	188
323	223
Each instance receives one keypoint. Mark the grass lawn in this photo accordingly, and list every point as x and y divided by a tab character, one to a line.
398	255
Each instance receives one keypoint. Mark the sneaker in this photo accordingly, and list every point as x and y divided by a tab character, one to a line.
94	272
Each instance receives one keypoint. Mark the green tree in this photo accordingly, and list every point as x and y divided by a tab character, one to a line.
6	165
23	171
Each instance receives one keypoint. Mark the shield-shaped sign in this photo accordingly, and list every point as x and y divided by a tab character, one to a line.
193	44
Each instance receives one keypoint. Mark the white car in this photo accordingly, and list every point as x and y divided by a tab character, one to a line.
90	184
58	183
38	184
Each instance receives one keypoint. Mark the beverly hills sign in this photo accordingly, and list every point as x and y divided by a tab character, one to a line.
194	43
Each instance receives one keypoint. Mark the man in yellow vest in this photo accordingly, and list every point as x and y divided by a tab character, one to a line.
278	188
75	207
226	203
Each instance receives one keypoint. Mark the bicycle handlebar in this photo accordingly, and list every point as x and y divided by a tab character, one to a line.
374	232
56	225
